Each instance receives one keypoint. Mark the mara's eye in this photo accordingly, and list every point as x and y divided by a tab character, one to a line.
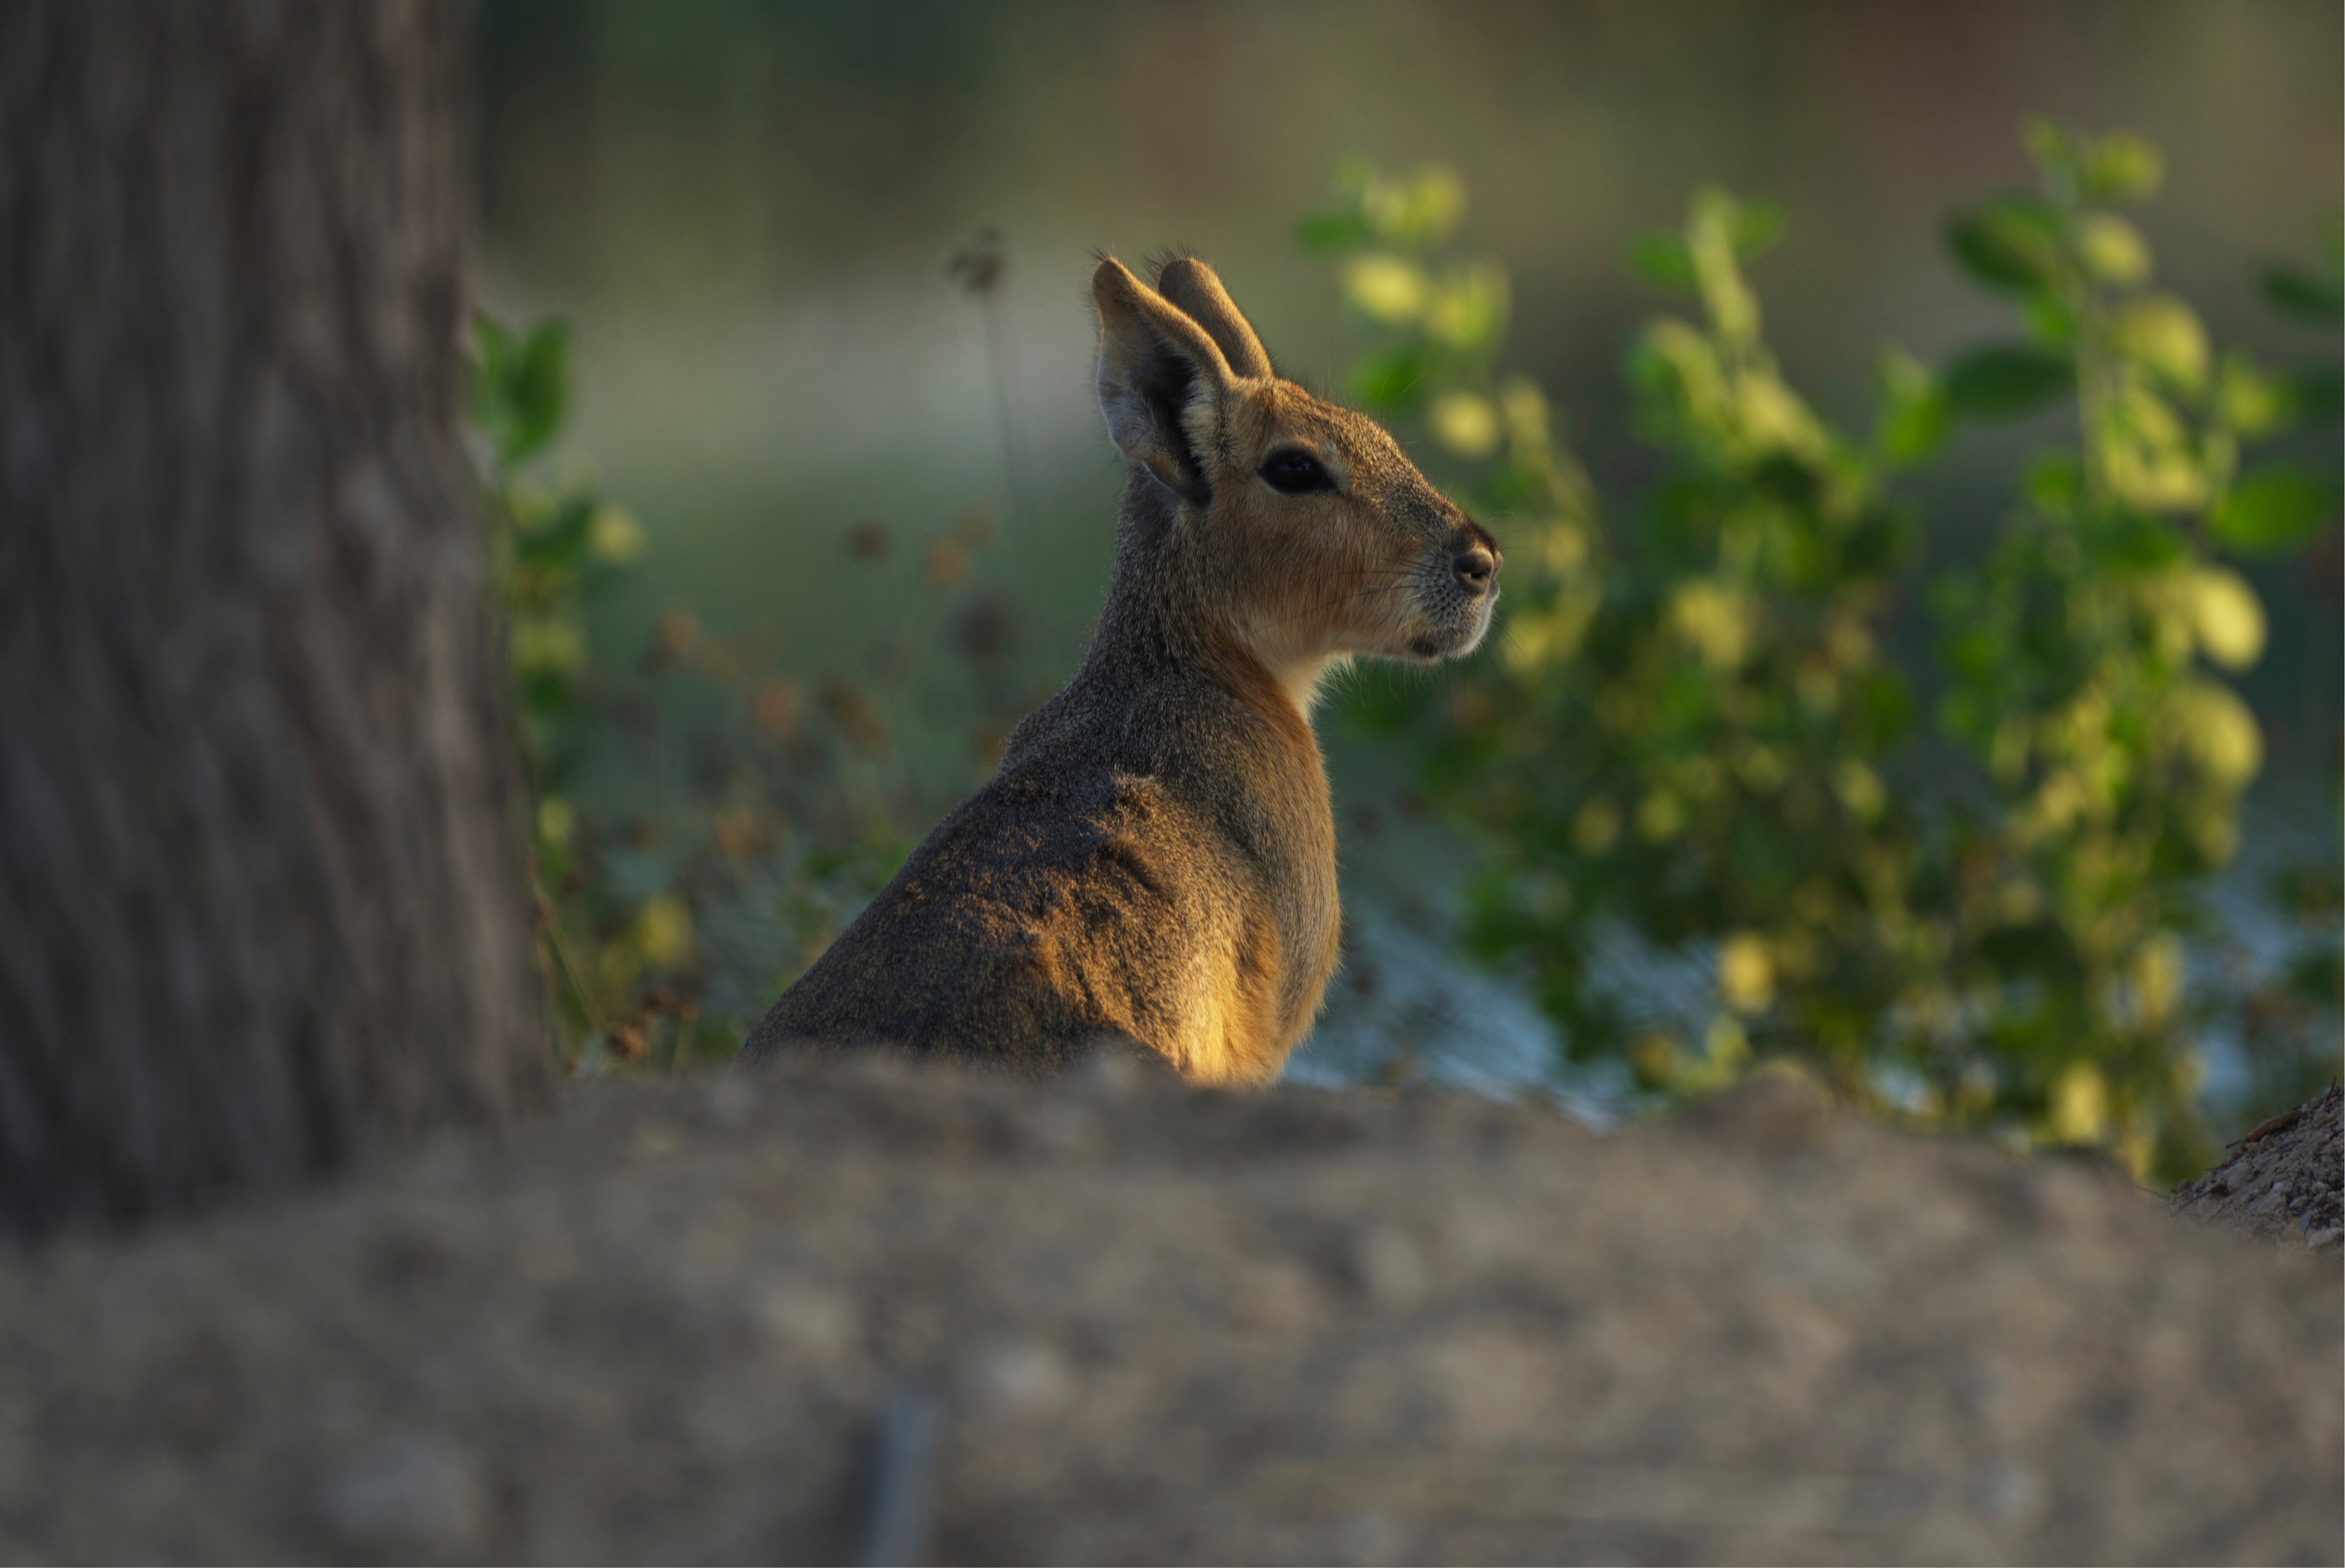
1294	473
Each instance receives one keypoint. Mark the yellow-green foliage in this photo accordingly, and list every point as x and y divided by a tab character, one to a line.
1693	731
777	840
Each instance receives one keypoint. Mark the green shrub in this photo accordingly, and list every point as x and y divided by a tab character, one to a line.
666	919
1689	732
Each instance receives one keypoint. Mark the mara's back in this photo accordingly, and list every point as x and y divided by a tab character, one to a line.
1154	861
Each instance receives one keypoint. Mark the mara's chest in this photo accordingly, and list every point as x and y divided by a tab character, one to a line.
1304	897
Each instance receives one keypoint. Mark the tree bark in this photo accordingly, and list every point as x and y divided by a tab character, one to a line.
262	888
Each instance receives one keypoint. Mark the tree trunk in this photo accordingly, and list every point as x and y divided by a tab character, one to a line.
261	892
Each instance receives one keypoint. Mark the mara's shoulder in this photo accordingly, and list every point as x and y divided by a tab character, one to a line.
1073	790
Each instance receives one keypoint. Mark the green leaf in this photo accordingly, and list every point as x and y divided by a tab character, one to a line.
2273	510
521	386
1662	259
2051	323
2161	333
1466	310
2006	380
2053	483
493	352
1759	226
493	342
2112	249
1712	218
1913	416
2120	167
540	389
2320	394
561	539
2012	244
1394	380
1326	233
2049	147
2295	293
1417	210
1390	291
1436	203
2254	405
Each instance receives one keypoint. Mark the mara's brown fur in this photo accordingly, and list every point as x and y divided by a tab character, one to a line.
1154	863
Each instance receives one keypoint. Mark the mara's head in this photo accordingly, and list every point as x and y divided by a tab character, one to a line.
1301	526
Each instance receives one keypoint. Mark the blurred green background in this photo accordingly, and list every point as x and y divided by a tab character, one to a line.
746	213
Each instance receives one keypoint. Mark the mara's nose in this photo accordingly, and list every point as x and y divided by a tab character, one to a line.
1476	568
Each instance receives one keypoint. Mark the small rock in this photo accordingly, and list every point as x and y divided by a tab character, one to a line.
729	1101
1275	1294
2009	1495
1780	1108
1367	1538
1388	1267
1023	1377
1063	1130
810	1320
546	1259
411	1494
1115	1067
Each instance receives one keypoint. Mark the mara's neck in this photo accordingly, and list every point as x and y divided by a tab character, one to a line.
1160	618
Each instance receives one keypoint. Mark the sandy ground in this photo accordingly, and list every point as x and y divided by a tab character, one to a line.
868	1314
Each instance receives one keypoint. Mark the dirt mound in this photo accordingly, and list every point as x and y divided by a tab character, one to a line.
2286	1181
817	1315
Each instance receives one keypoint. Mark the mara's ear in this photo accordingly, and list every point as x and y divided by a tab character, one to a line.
1196	289
1162	382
